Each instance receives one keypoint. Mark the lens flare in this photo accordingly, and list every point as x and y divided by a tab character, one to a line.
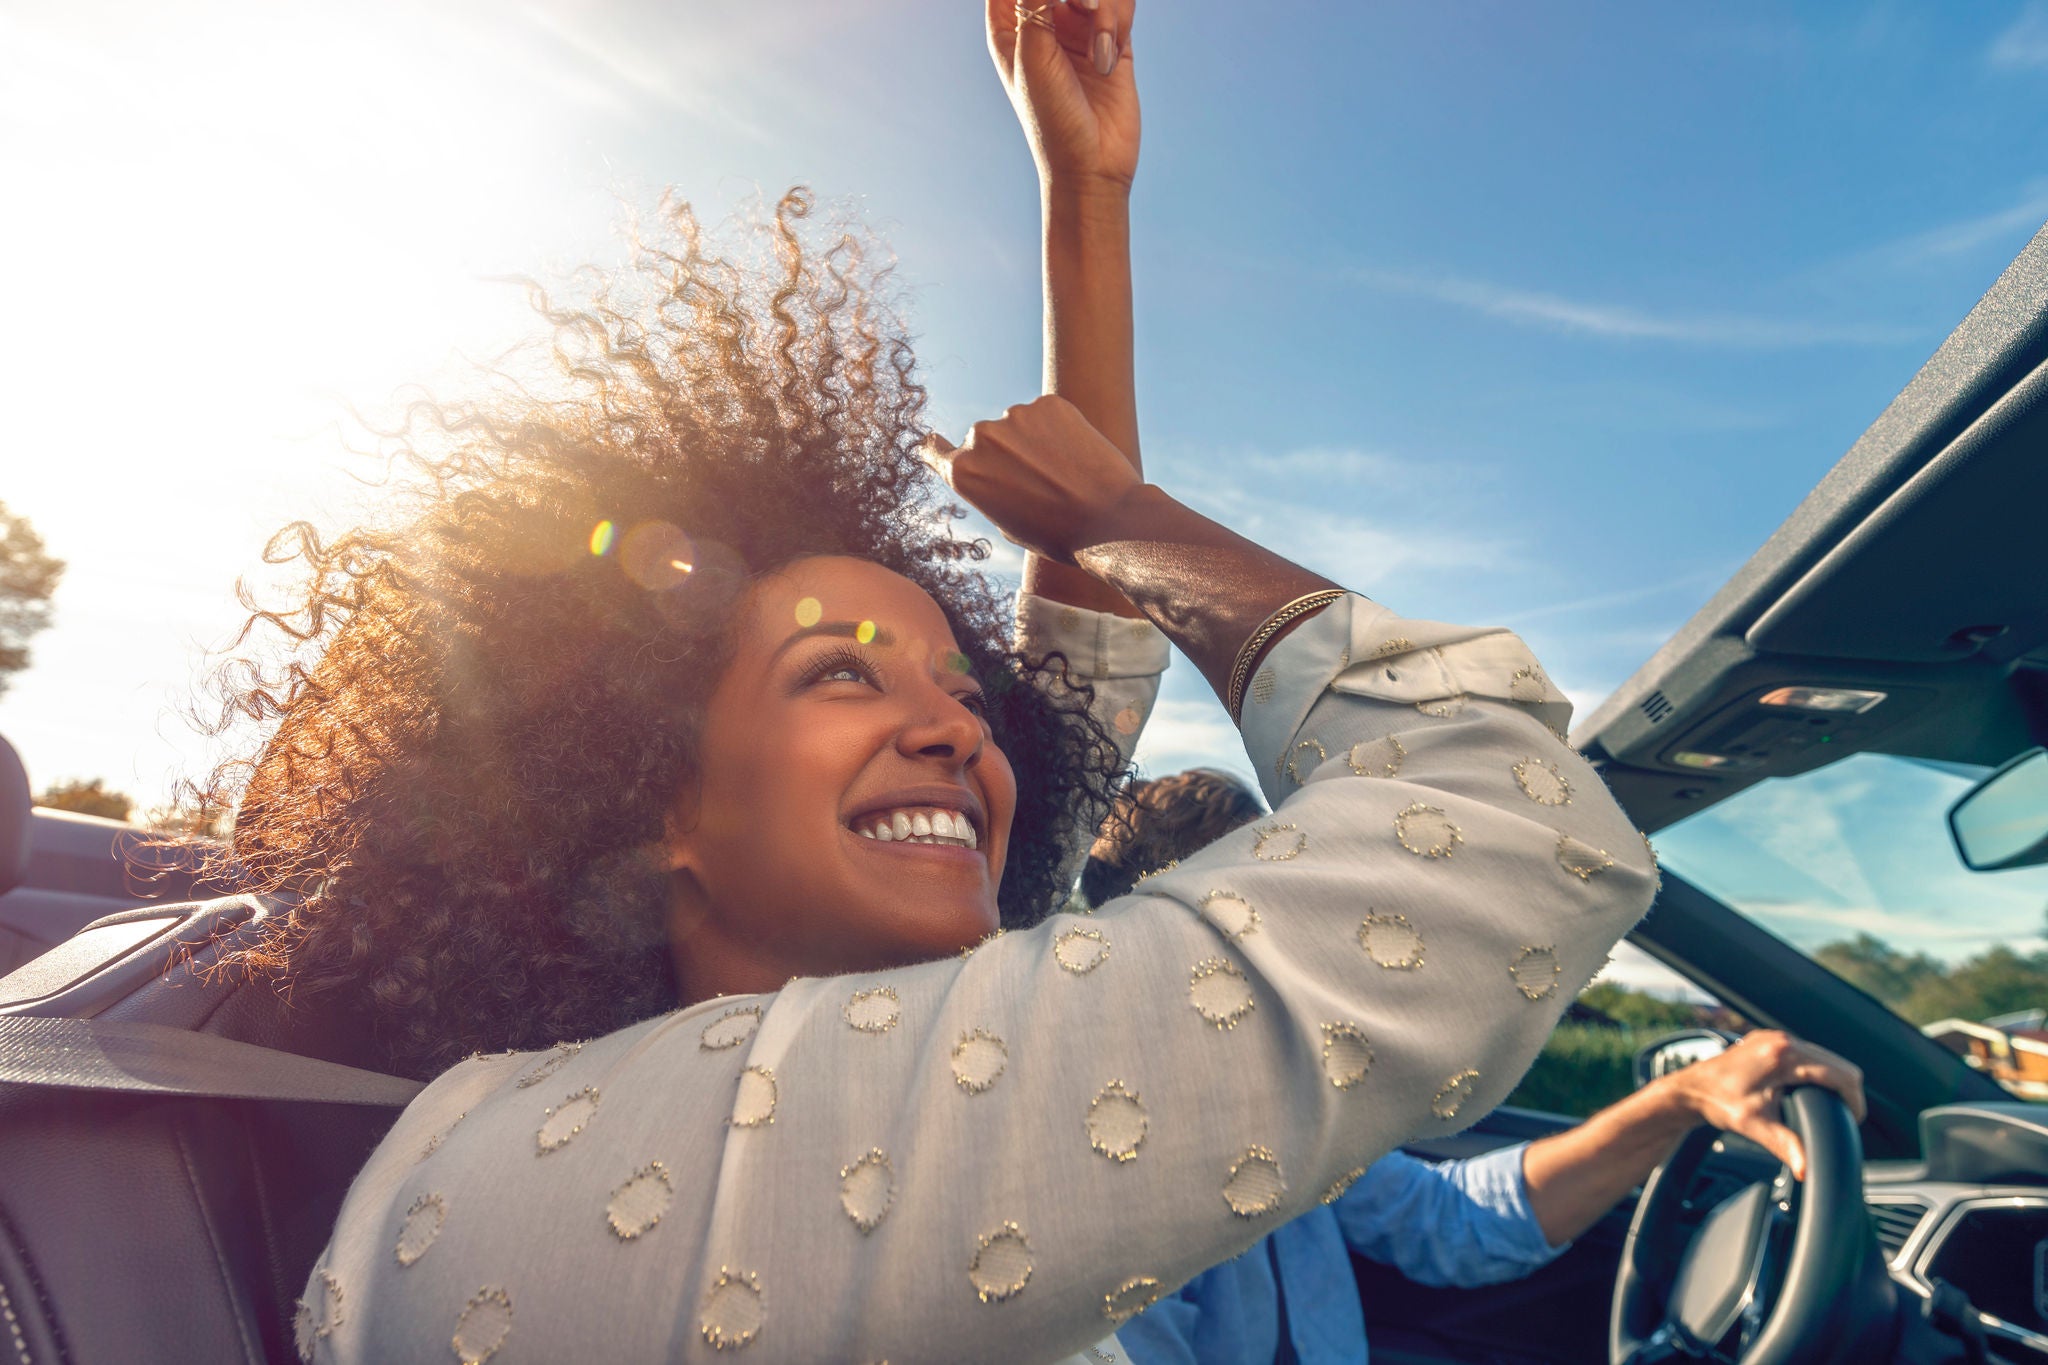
809	612
865	632
657	556
601	538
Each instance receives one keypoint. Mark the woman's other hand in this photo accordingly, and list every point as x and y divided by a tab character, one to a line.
1066	65
1040	472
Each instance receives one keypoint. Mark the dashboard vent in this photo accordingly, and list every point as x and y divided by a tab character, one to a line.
1656	706
1894	1221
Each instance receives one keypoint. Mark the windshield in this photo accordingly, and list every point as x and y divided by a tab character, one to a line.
1852	863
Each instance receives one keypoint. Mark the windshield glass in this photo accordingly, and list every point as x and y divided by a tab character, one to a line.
1853	864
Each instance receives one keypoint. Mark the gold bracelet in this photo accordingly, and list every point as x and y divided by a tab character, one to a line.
1248	654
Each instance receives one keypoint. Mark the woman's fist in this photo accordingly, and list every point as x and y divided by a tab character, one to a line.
1067	68
1040	472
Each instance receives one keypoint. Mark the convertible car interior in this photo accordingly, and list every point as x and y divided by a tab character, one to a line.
1901	610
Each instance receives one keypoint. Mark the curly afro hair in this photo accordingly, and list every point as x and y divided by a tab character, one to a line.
487	705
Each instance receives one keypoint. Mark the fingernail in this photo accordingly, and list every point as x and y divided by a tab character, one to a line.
1105	54
1090	5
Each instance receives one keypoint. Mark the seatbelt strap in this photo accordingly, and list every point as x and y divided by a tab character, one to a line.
94	1054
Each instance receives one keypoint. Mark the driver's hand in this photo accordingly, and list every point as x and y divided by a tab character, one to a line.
1738	1091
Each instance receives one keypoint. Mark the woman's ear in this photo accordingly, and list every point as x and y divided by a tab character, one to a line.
677	852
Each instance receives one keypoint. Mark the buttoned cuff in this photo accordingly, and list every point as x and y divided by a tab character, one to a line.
1097	645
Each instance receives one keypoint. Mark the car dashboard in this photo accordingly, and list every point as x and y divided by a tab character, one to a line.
1974	1213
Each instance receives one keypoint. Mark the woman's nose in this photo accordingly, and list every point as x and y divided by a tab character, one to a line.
942	727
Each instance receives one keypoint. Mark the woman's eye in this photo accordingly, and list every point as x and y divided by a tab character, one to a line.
973	701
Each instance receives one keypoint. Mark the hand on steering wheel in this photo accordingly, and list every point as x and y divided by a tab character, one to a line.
1788	1271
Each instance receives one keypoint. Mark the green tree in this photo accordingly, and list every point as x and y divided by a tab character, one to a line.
1998	981
1868	961
87	798
28	579
1639	1012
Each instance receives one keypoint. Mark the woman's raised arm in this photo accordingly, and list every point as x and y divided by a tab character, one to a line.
1068	73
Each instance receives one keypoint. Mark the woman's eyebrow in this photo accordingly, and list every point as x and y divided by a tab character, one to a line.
867	632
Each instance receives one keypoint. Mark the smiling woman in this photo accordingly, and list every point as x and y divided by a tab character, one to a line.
495	699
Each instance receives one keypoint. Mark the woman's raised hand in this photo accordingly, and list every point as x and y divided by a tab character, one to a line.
1040	472
1067	67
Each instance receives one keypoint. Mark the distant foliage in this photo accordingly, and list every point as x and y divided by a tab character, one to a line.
1582	1068
87	798
28	579
1640	1012
1921	989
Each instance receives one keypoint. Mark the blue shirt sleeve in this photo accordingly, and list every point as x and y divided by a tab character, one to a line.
1463	1223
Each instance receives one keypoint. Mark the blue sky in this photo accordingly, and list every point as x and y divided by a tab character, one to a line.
1538	315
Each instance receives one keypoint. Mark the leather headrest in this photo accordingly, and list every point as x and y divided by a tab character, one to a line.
15	821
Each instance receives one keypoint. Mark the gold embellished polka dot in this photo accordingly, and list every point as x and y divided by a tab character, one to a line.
1219	992
733	1310
1255	1185
754	1103
1528	685
1264	686
421	1226
1377	757
1427	831
990	937
1229	912
1387	649
1392	941
1341	1184
318	1314
639	1201
549	1065
873	1011
1443	708
1001	1265
565	1120
978	1060
867	1186
1542	783
1451	1097
1070	619
433	1143
1131	1298
1582	860
730	1029
1129	720
485	1323
1116	1122
1081	950
1347	1054
1277	843
1535	972
1299	764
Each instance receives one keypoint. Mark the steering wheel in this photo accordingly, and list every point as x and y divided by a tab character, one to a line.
1783	1272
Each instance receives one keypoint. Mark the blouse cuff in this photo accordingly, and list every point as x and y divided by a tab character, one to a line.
1357	647
1097	645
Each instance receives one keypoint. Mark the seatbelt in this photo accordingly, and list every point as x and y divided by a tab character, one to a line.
94	1054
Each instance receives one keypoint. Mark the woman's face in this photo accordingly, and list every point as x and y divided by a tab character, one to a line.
851	812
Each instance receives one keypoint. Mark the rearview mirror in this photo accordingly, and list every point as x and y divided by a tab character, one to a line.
1676	1051
2003	821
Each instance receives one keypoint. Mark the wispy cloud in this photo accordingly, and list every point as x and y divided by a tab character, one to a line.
2025	44
1556	313
1965	235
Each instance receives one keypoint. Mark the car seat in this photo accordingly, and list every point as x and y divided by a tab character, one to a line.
142	1216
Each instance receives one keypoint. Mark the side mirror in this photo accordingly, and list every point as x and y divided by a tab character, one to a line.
1676	1051
2003	821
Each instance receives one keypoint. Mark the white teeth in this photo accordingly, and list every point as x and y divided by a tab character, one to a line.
928	826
